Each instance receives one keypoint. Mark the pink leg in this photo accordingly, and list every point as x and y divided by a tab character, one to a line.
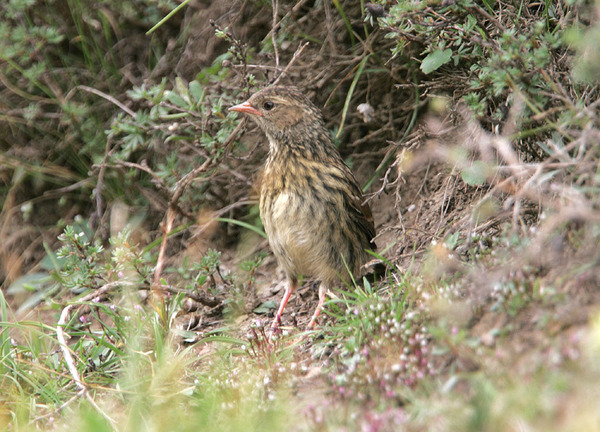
291	287
322	292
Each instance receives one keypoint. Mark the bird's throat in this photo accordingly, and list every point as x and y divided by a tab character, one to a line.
287	150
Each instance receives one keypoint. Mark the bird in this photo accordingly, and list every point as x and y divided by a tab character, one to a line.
311	205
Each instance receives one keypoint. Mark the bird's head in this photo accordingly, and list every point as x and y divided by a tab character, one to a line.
282	113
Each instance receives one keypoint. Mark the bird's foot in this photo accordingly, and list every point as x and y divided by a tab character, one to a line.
275	330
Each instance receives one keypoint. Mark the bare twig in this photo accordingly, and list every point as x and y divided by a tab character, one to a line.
297	54
143	167
157	181
481	11
275	4
107	97
57	409
97	214
200	297
167	227
255	66
178	190
333	46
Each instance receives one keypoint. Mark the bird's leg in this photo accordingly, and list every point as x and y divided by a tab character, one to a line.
322	292
290	288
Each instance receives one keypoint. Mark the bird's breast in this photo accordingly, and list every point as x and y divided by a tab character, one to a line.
307	224
292	228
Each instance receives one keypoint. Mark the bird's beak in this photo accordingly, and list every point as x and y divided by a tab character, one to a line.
246	108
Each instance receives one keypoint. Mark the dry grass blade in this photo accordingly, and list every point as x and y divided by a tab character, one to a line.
66	351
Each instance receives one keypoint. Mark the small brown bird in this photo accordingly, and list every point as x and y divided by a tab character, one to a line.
310	203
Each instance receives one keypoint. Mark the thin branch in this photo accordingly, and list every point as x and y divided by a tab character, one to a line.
205	299
142	167
56	410
481	11
275	4
167	227
107	97
253	66
178	190
294	57
97	192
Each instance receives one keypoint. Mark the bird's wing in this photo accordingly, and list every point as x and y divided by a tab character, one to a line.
360	212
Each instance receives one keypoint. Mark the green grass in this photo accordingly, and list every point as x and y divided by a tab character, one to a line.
385	358
138	375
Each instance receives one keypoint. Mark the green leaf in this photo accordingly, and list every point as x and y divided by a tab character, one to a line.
196	91
244	225
266	307
182	90
176	99
30	282
452	241
51	261
476	174
435	60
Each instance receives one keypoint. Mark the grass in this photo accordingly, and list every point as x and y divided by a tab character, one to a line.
385	354
136	374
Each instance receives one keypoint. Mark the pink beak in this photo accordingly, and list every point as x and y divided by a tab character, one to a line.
246	108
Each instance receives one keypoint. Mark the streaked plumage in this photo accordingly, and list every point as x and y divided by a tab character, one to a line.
310	203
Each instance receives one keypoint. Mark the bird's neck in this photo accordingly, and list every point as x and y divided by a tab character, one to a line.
313	145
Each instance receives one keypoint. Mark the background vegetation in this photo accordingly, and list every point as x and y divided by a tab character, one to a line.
136	280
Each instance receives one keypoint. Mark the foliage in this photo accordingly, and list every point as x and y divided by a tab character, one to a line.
47	50
497	53
380	341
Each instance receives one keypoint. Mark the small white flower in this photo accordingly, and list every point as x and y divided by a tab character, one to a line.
367	111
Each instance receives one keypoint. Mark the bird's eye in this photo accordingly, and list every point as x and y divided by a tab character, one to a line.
268	106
